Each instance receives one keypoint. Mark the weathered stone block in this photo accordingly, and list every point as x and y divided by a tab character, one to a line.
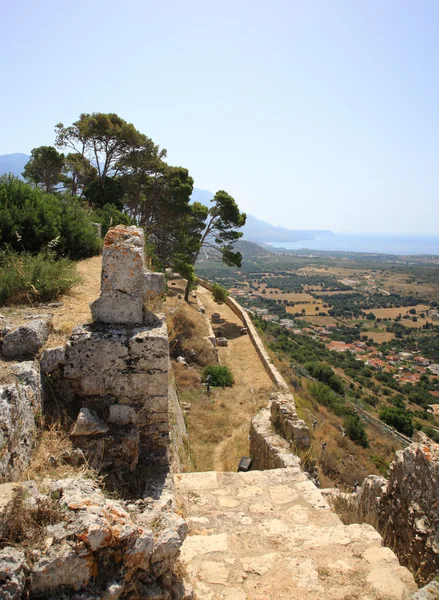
117	307
26	340
123	261
20	405
155	283
52	359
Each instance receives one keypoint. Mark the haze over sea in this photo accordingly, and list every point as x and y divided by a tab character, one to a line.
401	244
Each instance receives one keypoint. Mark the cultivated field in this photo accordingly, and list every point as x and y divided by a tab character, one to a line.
392	313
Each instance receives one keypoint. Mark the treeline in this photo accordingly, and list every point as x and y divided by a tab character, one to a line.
103	170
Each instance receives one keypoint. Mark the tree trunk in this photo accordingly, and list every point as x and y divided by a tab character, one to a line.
187	290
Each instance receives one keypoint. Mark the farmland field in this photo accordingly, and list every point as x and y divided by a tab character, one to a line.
392	313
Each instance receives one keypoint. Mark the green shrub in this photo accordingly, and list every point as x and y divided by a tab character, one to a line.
219	293
381	464
355	430
323	372
220	376
397	418
109	216
324	395
31	219
433	434
26	278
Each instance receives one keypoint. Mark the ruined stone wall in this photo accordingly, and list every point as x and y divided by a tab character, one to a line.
407	505
114	372
112	380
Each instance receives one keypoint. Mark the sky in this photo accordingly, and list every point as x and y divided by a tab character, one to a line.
319	114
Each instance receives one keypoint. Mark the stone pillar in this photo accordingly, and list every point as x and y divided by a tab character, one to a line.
115	371
125	282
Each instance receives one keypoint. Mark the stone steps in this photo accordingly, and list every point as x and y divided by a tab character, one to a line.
268	535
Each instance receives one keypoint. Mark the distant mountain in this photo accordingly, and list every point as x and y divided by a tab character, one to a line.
13	163
262	232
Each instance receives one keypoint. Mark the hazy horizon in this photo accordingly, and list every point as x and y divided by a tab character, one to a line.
319	115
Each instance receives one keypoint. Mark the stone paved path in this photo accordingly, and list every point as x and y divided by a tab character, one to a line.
269	535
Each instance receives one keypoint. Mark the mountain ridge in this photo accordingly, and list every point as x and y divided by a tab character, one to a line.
256	230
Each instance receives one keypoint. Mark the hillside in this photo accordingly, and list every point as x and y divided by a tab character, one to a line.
13	163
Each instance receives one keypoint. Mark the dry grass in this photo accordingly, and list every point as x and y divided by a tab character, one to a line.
25	520
380	336
54	456
349	511
187	330
321	321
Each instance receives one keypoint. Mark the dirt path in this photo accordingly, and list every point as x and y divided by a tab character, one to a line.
250	391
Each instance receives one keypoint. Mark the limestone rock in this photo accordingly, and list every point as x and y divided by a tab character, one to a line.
428	592
60	566
26	339
118	307
52	359
88	424
20	405
13	571
125	283
285	420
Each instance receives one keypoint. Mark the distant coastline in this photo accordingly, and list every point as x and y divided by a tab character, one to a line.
400	244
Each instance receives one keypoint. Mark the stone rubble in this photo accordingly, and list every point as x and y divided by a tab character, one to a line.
26	340
98	547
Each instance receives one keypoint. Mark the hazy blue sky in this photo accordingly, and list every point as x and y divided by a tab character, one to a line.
312	114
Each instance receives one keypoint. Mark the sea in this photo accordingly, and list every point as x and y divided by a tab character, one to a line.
380	243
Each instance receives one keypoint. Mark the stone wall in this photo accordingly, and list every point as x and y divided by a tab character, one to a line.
276	433
20	412
114	372
407	505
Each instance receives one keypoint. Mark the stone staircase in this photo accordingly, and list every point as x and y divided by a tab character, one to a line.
270	535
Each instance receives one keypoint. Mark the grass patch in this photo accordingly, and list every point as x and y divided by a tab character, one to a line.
55	458
26	278
26	519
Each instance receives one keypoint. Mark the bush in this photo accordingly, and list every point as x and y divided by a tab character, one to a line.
397	418
30	219
324	395
28	278
323	372
355	430
219	293
220	376
433	434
